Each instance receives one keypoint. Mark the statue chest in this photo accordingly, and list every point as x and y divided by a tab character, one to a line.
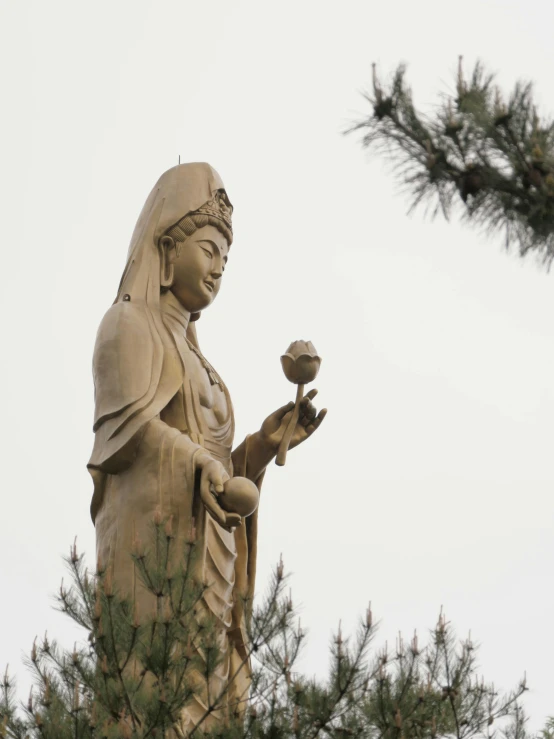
202	405
212	395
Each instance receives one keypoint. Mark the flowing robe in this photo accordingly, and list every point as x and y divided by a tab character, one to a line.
144	460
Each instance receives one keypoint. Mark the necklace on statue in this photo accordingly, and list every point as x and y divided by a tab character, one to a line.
212	374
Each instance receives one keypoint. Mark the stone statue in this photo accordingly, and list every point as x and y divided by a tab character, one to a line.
163	418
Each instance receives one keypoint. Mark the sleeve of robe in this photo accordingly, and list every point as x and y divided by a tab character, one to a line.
135	376
246	539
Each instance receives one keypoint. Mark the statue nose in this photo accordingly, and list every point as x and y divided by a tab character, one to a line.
217	265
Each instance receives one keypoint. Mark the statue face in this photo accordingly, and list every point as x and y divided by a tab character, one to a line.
199	268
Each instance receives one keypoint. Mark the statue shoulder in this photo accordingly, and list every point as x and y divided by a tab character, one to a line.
123	360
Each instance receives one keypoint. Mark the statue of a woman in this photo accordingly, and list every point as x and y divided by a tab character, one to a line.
164	421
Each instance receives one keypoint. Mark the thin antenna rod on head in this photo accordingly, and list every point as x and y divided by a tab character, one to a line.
179	159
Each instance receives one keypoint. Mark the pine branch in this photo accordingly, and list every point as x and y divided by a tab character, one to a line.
91	692
493	157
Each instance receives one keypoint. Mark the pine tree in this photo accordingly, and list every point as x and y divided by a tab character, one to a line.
131	680
492	155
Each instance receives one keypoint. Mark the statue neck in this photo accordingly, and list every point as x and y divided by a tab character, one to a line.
171	307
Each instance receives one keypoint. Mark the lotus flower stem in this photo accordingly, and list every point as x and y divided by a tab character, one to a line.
287	436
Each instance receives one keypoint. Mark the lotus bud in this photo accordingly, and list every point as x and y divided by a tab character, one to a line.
301	362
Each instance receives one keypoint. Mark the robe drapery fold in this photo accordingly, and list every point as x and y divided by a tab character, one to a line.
150	428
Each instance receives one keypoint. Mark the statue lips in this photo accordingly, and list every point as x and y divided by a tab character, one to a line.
210	285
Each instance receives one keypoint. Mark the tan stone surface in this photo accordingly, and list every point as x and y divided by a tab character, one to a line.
164	421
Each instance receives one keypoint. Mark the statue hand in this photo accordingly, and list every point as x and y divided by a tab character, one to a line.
212	477
274	426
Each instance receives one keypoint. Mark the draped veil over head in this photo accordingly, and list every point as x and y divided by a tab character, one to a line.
123	407
181	190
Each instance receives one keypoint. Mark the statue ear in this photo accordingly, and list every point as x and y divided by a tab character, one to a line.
167	258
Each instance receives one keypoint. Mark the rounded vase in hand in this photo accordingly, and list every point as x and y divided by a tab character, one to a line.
239	495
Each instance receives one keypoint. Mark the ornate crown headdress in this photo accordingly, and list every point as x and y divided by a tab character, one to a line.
218	207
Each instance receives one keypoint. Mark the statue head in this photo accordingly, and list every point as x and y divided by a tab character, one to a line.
181	241
194	251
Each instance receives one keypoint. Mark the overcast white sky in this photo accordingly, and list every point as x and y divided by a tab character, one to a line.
430	482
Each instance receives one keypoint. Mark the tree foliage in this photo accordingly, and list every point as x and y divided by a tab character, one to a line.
493	155
131	679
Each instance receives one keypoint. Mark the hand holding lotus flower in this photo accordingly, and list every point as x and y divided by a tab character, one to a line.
300	364
275	425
